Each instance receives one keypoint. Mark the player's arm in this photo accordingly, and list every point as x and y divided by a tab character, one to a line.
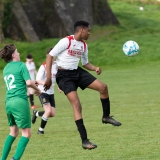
31	84
59	47
91	67
48	81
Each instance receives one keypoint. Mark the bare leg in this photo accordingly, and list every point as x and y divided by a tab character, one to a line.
104	97
77	110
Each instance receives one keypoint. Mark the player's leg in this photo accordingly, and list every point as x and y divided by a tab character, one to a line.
49	112
31	97
77	110
26	134
48	103
37	113
104	97
21	113
9	141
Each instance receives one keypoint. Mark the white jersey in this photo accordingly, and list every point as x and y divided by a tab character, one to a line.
41	75
31	68
69	51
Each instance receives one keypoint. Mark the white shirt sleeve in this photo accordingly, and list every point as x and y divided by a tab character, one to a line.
84	57
41	73
59	47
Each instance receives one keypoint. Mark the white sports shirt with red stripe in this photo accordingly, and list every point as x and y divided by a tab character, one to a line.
41	75
69	51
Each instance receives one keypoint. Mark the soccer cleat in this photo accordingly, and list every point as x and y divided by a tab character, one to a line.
88	145
34	117
40	132
13	158
33	107
110	120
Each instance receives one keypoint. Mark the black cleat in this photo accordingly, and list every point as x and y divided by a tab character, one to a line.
34	117
40	132
88	145
110	120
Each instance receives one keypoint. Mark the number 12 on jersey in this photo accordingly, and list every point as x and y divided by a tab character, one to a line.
9	80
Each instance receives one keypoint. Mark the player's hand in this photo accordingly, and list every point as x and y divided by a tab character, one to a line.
59	90
98	70
47	84
36	83
37	92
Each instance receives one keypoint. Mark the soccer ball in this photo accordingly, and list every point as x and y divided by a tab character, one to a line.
130	48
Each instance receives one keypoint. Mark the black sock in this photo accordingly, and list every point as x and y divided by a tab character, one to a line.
40	113
106	107
31	98
43	122
81	129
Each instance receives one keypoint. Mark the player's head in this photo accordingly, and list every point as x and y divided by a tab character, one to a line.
29	58
9	52
82	28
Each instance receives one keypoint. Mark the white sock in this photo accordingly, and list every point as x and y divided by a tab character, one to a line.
37	115
41	129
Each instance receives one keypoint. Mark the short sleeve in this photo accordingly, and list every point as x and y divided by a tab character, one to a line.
59	47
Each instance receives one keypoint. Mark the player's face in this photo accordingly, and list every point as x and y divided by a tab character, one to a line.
85	32
16	56
29	60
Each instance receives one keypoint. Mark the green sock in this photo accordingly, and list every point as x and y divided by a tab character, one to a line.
21	147
7	147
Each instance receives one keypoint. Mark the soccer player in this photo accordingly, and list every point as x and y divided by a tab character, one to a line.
32	71
46	97
70	76
17	79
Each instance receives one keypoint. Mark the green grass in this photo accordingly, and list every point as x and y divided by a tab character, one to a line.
134	91
134	94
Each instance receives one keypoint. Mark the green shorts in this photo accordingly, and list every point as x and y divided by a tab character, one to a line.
18	112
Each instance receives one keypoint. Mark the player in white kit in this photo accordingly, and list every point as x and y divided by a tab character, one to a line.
70	76
46	97
32	71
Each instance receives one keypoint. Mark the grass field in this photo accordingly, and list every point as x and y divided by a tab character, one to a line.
134	94
134	88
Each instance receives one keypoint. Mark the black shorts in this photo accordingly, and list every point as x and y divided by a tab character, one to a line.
47	98
70	80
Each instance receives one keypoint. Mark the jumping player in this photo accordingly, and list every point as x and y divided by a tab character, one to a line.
70	76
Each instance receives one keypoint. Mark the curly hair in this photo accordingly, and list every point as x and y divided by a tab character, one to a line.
7	51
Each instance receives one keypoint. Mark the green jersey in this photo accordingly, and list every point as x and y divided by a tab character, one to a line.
15	76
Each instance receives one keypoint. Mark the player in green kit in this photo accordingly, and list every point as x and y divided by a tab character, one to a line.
17	79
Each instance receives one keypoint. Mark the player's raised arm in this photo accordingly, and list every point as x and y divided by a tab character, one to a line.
91	67
48	81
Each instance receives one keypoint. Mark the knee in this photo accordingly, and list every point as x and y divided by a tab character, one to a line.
15	133
52	114
26	132
103	88
28	135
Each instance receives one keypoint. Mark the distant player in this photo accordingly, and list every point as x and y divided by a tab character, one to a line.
70	76
46	97
32	71
17	78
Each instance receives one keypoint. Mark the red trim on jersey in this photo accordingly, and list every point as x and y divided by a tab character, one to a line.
44	64
71	38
